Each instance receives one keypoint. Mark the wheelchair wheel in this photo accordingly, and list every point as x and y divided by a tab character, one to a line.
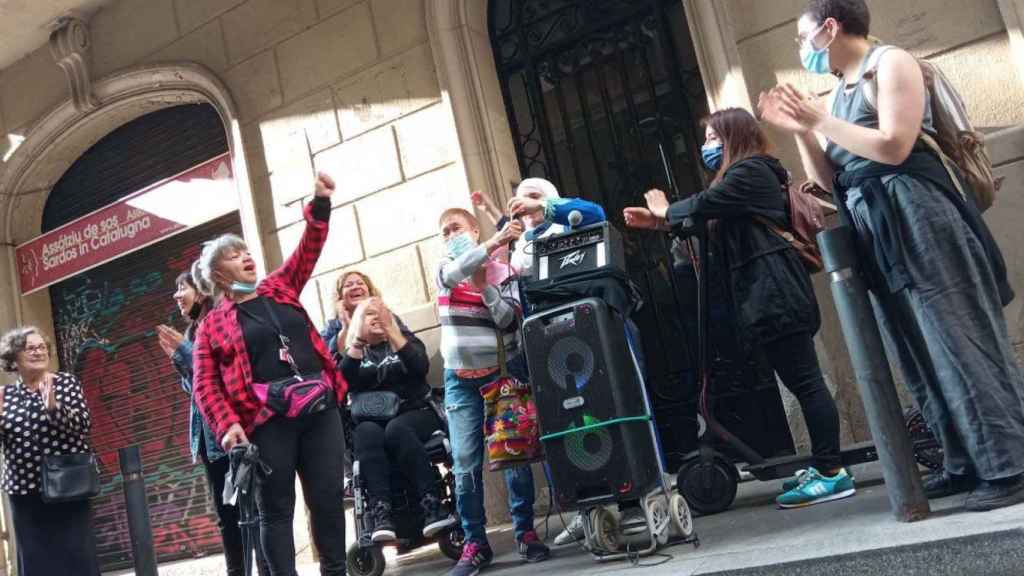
451	543
364	561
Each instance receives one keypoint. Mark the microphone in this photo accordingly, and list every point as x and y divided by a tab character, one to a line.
512	244
575	219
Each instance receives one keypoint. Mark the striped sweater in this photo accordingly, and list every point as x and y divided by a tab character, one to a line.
470	317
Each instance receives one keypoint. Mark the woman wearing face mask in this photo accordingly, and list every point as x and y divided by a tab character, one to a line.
381	354
263	374
771	290
938	279
194	306
43	413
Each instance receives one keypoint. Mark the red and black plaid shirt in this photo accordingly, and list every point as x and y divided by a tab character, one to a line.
223	372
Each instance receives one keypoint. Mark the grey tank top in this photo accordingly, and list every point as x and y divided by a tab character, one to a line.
852	105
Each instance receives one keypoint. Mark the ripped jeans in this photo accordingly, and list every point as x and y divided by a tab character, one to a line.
465	408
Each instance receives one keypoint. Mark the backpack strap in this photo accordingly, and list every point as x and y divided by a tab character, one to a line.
947	162
869	75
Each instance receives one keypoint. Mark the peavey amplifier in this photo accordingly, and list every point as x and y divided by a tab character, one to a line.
581	250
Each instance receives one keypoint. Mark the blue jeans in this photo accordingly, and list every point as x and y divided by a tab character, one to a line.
465	408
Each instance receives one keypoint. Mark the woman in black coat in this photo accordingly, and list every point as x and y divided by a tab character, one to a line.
772	292
383	355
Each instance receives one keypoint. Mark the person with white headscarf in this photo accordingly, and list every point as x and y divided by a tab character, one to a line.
544	213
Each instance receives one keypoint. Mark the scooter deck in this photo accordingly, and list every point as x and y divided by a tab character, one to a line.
788	465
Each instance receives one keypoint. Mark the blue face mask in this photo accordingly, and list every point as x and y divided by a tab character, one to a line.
243	287
711	154
460	244
816	61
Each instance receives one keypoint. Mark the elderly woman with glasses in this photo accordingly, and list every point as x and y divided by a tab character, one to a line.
43	413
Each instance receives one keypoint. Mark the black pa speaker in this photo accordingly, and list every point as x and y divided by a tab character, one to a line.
594	421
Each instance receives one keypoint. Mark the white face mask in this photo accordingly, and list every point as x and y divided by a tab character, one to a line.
459	244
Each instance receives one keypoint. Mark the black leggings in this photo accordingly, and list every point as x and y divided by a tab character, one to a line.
397	444
313	446
795	361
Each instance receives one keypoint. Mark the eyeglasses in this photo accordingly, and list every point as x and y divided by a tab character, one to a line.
38	348
801	38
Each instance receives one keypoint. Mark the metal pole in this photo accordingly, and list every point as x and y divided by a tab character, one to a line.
874	379
139	529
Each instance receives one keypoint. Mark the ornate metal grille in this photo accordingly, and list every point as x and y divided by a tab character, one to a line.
603	98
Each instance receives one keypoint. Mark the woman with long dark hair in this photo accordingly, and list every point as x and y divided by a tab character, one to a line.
937	277
771	290
194	306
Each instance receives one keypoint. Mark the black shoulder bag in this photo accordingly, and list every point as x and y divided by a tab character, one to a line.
69	477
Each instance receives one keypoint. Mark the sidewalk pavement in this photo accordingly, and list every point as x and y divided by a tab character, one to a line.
854	536
851	537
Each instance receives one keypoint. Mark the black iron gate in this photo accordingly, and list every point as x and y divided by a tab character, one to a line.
604	99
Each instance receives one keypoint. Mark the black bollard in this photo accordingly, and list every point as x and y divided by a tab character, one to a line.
874	379
139	529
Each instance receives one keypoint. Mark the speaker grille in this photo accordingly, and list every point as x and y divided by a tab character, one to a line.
589	451
571	359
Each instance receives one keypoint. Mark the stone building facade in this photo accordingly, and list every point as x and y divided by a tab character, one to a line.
400	101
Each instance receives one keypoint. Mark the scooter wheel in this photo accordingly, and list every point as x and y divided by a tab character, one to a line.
927	450
451	543
682	520
709	487
364	561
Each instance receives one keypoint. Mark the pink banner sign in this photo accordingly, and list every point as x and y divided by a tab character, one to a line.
159	211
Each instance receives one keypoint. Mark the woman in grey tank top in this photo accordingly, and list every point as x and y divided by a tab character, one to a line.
938	281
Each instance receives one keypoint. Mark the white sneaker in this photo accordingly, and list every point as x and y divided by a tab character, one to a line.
572	533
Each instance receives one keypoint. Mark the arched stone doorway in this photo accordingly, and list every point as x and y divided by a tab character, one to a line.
57	139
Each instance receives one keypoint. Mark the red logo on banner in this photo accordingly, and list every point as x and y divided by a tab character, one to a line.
157	212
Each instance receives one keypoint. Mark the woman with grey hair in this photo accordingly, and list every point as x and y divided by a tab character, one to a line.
262	374
43	413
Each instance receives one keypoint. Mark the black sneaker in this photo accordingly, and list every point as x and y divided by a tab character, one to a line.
942	484
531	549
383	527
435	518
990	495
475	557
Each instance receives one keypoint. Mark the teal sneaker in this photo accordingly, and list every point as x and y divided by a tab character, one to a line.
791	483
813	488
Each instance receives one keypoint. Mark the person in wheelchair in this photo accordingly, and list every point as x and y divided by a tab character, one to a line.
386	367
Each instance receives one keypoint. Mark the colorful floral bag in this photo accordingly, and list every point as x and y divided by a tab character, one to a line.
511	433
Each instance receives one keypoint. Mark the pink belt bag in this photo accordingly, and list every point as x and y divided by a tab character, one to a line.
294	397
297	395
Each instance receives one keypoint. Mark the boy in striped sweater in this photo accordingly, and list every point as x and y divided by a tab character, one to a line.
472	313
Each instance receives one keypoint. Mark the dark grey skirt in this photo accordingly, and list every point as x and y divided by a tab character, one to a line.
54	538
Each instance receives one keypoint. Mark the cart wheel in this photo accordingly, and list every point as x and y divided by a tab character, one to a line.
364	561
605	526
451	543
660	519
927	450
709	487
681	517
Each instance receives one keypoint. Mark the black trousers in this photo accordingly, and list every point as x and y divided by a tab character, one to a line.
381	447
795	361
54	538
312	446
227	517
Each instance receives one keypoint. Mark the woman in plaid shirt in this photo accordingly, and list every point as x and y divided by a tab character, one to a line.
260	334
